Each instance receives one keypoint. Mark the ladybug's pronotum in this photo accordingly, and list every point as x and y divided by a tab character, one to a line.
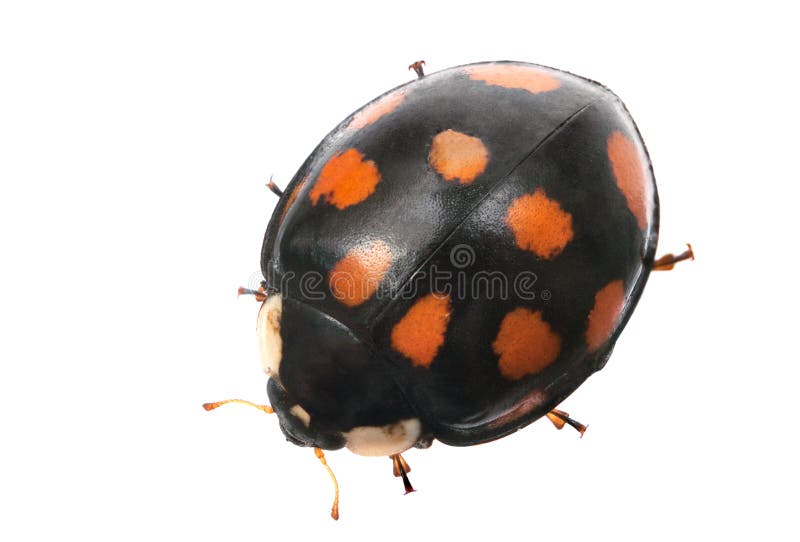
454	260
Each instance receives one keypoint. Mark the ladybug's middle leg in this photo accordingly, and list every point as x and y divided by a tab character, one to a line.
668	261
417	67
274	188
260	294
401	468
561	418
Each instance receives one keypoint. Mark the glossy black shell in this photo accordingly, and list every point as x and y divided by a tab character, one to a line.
555	140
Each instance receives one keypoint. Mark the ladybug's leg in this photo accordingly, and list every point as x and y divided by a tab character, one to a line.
668	261
261	294
335	507
561	418
274	187
417	67
264	408
401	468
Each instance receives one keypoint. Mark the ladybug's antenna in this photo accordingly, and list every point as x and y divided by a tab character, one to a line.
274	187
264	408
668	261
318	452
401	468
561	418
335	507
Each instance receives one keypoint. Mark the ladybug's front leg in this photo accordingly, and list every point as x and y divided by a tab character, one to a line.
401	468
561	418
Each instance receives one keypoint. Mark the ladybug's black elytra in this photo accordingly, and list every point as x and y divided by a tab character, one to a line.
455	259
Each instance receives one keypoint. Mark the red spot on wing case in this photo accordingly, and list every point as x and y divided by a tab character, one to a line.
345	180
421	332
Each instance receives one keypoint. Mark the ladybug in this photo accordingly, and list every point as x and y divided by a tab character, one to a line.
453	260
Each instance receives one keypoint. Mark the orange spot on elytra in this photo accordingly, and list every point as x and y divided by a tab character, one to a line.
356	277
525	343
533	80
345	180
540	224
292	198
420	333
629	171
458	156
374	111
604	316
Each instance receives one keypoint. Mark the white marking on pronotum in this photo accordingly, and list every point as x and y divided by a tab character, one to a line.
301	414
383	440
269	334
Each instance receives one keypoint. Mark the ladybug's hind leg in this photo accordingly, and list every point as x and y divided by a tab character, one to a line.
401	468
668	261
561	418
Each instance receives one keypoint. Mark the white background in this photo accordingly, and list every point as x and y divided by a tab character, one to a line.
135	141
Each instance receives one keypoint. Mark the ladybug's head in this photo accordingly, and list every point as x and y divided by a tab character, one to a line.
326	385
